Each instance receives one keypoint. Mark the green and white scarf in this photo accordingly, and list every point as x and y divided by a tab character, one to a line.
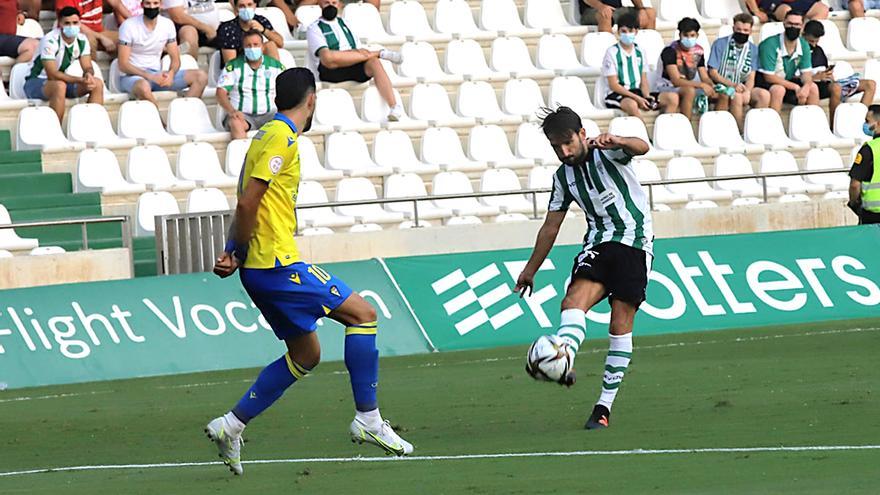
736	64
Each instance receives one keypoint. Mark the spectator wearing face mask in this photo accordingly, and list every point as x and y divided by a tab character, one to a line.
684	80
230	34
624	67
786	67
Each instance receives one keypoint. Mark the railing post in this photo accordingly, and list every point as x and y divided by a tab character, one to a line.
534	205
85	235
127	242
416	212
651	196
764	187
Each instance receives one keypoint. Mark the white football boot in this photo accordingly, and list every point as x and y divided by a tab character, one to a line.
382	436
228	444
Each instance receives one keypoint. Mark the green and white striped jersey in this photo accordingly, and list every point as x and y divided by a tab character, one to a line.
607	190
251	91
628	67
53	47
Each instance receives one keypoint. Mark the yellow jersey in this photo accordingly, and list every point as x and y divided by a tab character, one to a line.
273	157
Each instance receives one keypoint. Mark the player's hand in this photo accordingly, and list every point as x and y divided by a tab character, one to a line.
225	266
643	103
256	26
166	79
709	90
762	16
525	282
210	33
20	18
802	94
606	141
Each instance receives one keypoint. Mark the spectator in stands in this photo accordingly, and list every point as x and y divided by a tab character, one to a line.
196	22
732	64
246	90
289	8
684	80
864	187
230	34
59	48
857	8
141	42
823	74
334	57
606	13
92	22
11	45
775	10
133	8
624	67
786	68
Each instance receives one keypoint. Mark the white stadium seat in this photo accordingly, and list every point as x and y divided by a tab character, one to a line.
149	165
488	143
465	58
794	198
276	17
408	18
365	22
511	55
17	76
361	189
548	15
594	46
861	34
334	108
5	254
833	45
313	193
738	164
635	127
375	110
764	126
420	61
511	217
139	119
454	17
647	171
9	103
809	123
198	162
675	10
411	224
522	97
532	144
673	132
306	15
90	123
652	44
719	130
409	185
38	129
700	204
848	120
555	52
347	151
97	169
720	9
30	29
394	150
476	99
458	183
783	161
504	179
311	167
9	239
365	227
572	92
541	177
316	231
430	102
690	168
826	159
206	199
769	29
236	151
503	16
441	146
47	251
464	220
149	206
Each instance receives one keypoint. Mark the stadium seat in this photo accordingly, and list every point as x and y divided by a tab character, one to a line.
764	126
591	128
311	167
477	100
738	164
441	146
39	129
688	167
149	206
548	15
347	151
673	132
783	161
504	179
594	46
635	127
313	193
769	29
90	123
651	43
190	117
97	170
720	9
394	150
29	29
848	120
46	251
317	230
833	45
365	22
9	239
572	92
365	227
503	16
411	224
334	108
458	183
600	91
794	198
522	97
198	162
647	171
17	76
5	254
420	62
700	204
464	220
361	189
306	15
826	159
206	199
149	165
279	25
809	123
236	151
375	111
511	217
488	143
139	119
541	177
555	52
430	102
454	17
407	18
532	144
465	58
215	68
675	10
719	130
9	103
511	55
861	35
410	185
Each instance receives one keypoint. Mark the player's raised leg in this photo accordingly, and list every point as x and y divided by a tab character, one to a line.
362	361
620	346
582	294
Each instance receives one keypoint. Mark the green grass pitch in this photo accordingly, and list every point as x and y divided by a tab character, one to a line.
806	385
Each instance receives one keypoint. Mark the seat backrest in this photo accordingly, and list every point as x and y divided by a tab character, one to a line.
354	189
236	151
419	60
510	54
544	14
97	167
823	159
848	120
215	68
861	34
346	150
88	122
488	143
651	43
17	76
430	102
451	183
310	162
113	83
678	9
531	142
364	20
477	99
719	129
555	51
334	106
522	97
572	92
764	126
151	205
541	177
465	56
441	146
500	15
189	116
311	192
278	21
720	9
139	119
148	165
732	164
454	16
30	29
646	170
206	199
198	161
393	148
629	127
770	29
673	131
39	125
373	106
306	15
832	42
778	161
684	167
408	18
594	46
808	123
499	179
404	186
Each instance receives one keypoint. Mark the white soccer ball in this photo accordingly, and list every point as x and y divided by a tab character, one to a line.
549	358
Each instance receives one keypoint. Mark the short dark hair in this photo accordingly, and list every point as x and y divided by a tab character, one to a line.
560	123
814	29
792	12
628	20
688	25
874	110
292	87
252	32
67	12
744	18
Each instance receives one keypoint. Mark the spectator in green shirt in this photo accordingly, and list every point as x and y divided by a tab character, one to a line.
786	68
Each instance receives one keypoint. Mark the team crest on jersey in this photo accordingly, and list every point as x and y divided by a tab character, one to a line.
275	164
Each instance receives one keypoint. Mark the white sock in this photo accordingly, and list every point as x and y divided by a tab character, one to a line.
619	354
369	418
572	327
235	425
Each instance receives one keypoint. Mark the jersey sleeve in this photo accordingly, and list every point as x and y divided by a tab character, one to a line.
609	63
273	158
767	56
264	22
619	156
560	200
315	39
48	48
228	78
667	56
863	165
125	32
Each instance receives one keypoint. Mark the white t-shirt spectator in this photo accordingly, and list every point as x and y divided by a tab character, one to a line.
316	40
203	10
136	7
147	46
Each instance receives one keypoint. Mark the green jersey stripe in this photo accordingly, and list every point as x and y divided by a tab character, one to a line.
637	214
616	220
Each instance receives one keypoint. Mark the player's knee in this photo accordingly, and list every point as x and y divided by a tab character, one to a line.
369	314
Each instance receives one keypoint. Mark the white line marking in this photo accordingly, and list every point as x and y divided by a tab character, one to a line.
464	457
55	396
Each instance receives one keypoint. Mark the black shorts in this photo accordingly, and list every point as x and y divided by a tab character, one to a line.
622	269
770	6
790	95
588	14
9	45
203	39
613	100
354	72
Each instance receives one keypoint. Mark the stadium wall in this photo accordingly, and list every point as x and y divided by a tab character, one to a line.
65	268
188	323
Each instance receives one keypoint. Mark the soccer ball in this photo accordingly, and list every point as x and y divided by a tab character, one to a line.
549	359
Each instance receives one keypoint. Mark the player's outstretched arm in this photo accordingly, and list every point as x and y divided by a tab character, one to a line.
632	145
543	244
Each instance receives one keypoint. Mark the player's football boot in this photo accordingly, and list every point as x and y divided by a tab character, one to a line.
229	445
382	436
599	419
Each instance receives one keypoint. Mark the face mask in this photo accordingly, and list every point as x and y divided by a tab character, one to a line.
151	12
688	42
628	38
792	33
70	31
246	14
329	12
740	38
866	128
253	53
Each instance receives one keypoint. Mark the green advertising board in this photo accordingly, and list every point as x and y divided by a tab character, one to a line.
697	283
